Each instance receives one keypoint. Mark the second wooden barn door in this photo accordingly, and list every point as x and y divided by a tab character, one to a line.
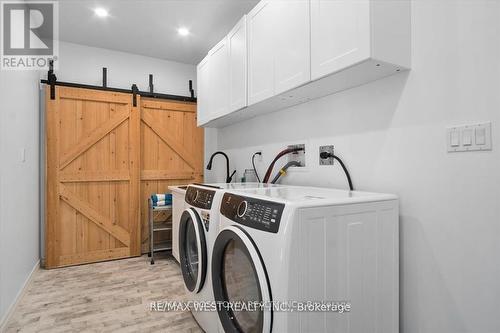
93	170
171	151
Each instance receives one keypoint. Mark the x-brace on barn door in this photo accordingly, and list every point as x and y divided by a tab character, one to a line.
92	176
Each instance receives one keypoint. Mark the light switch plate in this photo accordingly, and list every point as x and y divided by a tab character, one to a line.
473	137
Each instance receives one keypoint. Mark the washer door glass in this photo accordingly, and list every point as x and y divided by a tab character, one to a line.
240	283
192	250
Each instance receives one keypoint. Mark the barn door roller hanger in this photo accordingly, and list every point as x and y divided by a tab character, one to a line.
52	82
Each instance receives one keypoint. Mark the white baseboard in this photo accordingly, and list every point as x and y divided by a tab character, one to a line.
13	306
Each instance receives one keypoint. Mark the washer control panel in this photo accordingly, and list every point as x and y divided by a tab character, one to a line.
255	213
199	197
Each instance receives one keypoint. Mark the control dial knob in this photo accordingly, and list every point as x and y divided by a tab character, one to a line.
242	208
193	195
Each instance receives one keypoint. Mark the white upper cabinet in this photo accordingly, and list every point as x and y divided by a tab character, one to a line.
345	33
237	45
286	52
203	91
340	35
278	47
219	79
292	65
260	29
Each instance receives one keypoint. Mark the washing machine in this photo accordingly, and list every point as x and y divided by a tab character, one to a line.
198	227
303	259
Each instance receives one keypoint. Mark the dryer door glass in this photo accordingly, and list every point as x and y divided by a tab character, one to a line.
239	279
192	250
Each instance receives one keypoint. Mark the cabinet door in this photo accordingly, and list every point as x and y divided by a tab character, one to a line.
219	80
292	44
340	35
203	91
260	28
237	44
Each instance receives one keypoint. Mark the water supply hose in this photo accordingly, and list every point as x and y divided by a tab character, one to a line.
253	164
282	171
280	154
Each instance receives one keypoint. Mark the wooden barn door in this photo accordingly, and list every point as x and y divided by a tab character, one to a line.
171	150
92	176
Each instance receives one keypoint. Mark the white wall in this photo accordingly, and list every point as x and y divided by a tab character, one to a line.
19	225
391	134
83	64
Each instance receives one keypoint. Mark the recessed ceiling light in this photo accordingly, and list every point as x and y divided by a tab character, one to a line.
101	12
183	31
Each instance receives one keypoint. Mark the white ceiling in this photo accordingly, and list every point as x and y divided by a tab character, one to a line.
149	27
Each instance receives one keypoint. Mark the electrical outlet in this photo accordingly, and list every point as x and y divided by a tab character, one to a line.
259	156
298	156
326	161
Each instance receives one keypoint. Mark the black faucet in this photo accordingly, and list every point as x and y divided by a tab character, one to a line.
209	165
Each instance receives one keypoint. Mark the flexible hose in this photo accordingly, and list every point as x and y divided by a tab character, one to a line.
280	154
346	172
325	155
253	164
282	171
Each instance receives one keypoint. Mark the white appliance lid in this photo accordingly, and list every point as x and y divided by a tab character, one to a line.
313	195
236	186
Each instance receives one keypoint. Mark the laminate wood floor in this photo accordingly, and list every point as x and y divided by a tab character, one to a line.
113	296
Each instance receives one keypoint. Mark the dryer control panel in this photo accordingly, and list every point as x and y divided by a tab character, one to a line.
255	213
199	197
